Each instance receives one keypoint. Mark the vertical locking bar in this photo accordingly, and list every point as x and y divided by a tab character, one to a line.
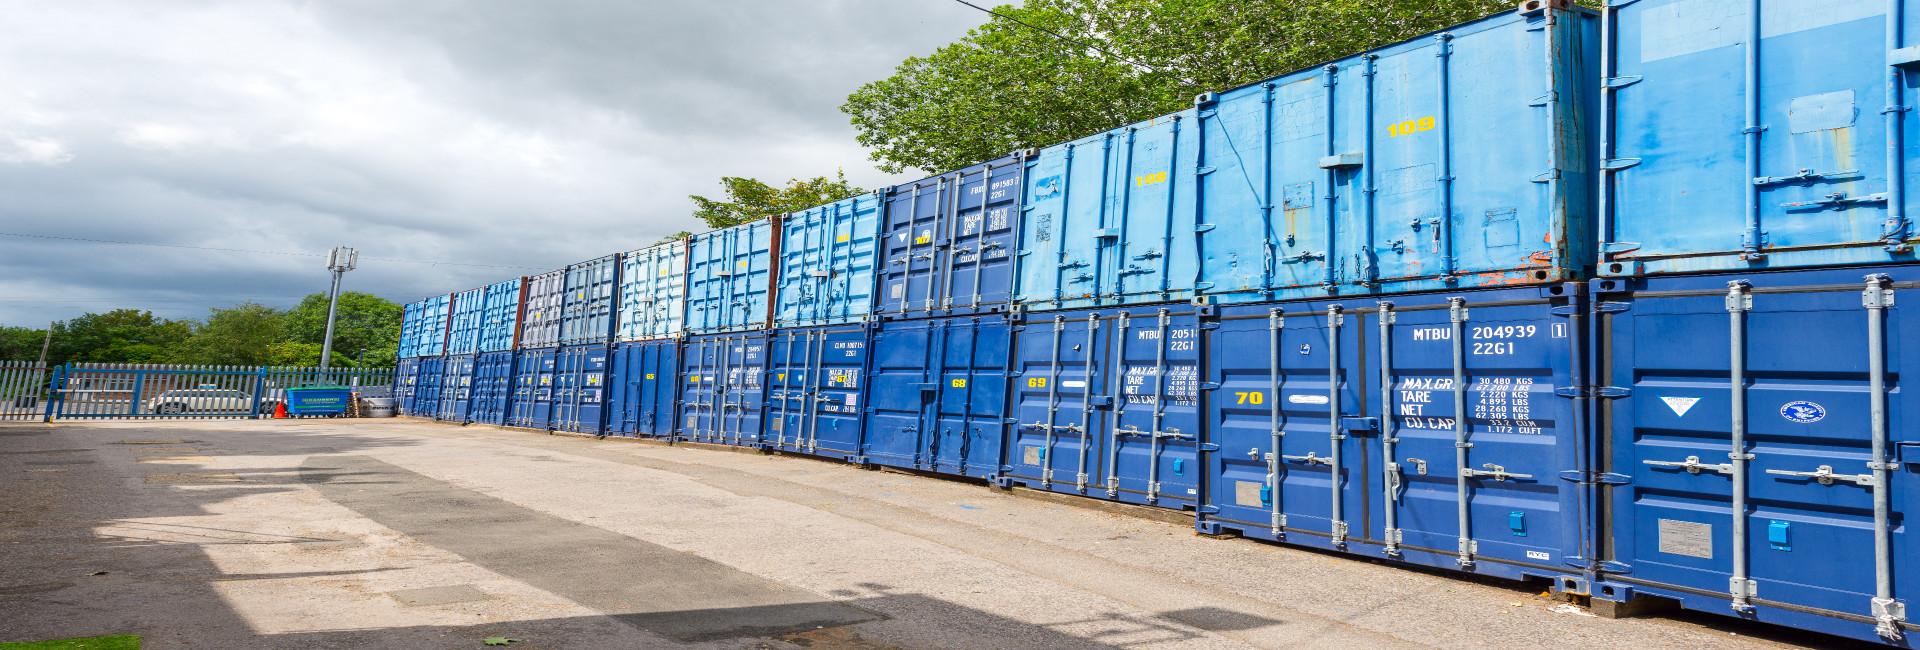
1173	180
1753	239
980	242
1101	251
1086	400
1159	405
1269	244
1389	468
1338	515
1278	521
1894	233
945	286
1457	314
724	345
813	395
1886	611
786	388
1443	51
1739	302
1122	330
1060	272
1053	402
1365	200
1328	79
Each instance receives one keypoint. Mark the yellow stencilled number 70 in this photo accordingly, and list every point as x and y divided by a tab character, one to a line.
1036	382
1250	398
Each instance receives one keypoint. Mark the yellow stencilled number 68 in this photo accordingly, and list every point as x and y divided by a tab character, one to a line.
1036	382
959	383
1250	398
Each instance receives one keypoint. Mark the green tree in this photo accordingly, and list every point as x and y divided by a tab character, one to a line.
21	343
118	336
364	322
243	334
749	199
1006	86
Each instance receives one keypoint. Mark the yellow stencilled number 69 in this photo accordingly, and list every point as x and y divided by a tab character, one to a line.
1250	398
1036	382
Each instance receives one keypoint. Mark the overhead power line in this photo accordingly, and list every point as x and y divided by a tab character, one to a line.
1189	83
242	250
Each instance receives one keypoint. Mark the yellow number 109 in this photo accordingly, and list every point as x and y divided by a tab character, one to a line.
1410	126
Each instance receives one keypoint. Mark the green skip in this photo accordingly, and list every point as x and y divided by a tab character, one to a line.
121	642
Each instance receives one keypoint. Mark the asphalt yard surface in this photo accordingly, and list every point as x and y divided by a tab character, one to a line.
400	534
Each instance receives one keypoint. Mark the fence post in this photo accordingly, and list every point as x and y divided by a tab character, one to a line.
259	389
53	391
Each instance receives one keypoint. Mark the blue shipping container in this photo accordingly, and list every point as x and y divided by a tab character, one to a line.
645	389
936	395
1107	404
425	400
653	292
722	387
827	257
456	388
816	378
939	255
540	318
423	328
1440	163
1762	457
729	278
532	405
587	314
405	378
463	325
1340	429
580	388
492	387
500	315
1747	136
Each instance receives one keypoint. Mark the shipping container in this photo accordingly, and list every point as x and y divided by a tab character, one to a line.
423	328
1338	426
405	378
532	405
1106	404
456	387
722	387
827	256
730	278
1451	161
586	316
425	400
816	381
653	292
937	394
580	388
939	255
500	315
645	383
1758	457
546	296
492	387
1743	136
465	321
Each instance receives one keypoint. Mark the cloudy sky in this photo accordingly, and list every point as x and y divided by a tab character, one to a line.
522	134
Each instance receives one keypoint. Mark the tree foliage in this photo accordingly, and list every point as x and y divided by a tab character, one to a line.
247	334
243	334
363	322
118	336
748	199
1006	86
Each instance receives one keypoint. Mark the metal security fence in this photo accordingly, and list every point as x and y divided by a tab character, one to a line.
110	390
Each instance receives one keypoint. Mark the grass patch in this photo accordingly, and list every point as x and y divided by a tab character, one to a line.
121	642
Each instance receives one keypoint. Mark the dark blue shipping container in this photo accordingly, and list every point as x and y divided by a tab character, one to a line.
580	388
722	386
1107	403
816	378
492	387
936	395
586	313
532	405
425	400
645	389
405	378
941	254
1748	136
1373	457
456	388
1759	457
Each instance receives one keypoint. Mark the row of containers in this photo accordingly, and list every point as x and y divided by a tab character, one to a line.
1599	297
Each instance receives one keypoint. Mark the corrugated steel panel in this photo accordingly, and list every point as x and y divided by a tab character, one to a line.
540	319
500	316
645	388
580	388
1433	164
816	381
729	278
423	328
456	386
940	256
468	316
653	292
532	405
587	313
1730	152
722	387
492	387
936	394
827	257
1760	445
424	401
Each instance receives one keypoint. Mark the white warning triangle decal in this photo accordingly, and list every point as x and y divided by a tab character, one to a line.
1680	405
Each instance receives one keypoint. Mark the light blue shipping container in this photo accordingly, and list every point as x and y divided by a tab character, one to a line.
827	256
423	328
1445	162
586	316
653	292
463	327
500	315
1745	136
540	320
729	277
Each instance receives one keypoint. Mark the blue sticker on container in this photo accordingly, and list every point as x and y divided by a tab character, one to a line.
1306	349
1803	412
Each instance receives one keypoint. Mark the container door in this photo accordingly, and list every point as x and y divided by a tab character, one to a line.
743	368
899	389
1152	440
914	216
1765	440
833	419
968	415
791	363
403	385
701	388
978	262
1057	444
541	415
659	392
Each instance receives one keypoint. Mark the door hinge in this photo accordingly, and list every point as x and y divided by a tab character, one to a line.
1611	391
1208	446
1619	163
1596	478
1209	510
1609	307
1360	424
1209	385
1566	310
1202	227
1621	81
